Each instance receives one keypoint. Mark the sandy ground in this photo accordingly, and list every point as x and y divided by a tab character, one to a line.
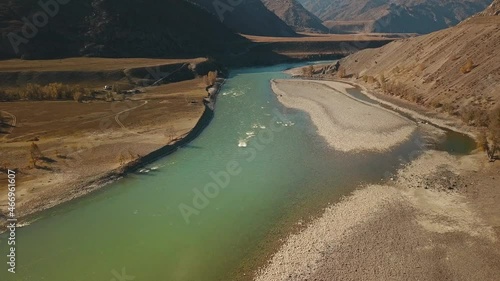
346	123
437	219
422	226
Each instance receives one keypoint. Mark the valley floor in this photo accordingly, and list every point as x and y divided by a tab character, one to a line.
86	145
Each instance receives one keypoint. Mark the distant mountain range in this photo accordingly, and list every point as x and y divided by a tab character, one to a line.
296	16
111	28
247	17
176	28
456	70
393	16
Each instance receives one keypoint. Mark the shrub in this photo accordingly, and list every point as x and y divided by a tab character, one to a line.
35	155
210	78
4	96
78	96
342	73
468	66
482	141
308	71
32	92
52	91
3	119
494	118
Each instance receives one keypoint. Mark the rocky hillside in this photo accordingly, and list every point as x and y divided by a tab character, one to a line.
397	16
456	70
111	28
296	16
248	17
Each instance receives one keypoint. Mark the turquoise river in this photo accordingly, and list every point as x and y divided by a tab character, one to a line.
213	210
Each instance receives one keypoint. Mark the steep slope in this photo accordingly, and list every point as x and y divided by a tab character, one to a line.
112	28
296	16
398	16
456	70
248	17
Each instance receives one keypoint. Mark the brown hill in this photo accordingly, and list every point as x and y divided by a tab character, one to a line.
111	28
409	16
456	70
296	16
248	17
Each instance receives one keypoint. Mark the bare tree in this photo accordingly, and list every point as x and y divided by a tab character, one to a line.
3	119
35	155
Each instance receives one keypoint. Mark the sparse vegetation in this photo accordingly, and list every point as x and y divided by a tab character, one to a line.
125	158
210	78
468	66
4	167
382	82
35	155
368	79
342	72
488	139
474	116
308	71
3	119
52	91
489	142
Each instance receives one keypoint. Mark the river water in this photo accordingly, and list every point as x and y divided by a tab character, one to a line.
215	209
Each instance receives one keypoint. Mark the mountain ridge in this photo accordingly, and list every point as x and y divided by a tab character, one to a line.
296	16
455	71
249	17
112	28
413	16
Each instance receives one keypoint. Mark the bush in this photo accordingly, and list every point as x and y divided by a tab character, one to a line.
308	71
52	91
342	73
468	67
210	78
6	96
35	155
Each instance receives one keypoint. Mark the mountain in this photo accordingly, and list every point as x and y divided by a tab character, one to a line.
393	16
296	16
456	70
110	28
249	17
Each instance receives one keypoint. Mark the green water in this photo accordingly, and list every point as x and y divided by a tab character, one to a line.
284	174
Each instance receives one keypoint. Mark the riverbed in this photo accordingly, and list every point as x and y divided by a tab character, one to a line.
214	210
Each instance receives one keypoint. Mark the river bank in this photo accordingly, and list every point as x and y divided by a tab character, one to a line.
81	163
436	219
348	124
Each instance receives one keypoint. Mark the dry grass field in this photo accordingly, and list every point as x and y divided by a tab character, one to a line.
314	37
83	142
87	64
